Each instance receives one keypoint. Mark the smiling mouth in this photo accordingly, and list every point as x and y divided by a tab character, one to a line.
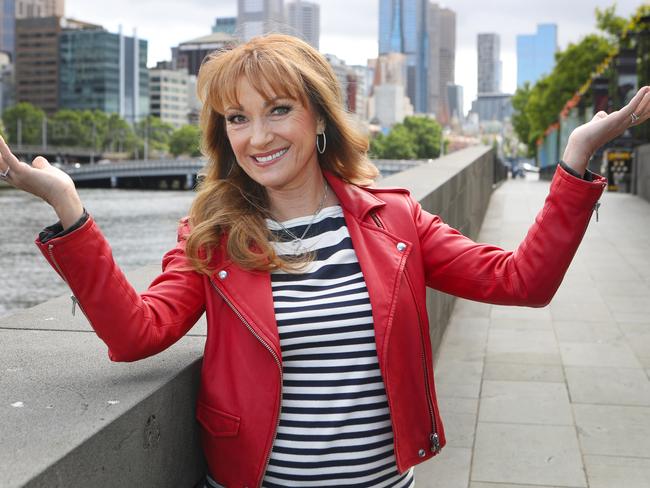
271	157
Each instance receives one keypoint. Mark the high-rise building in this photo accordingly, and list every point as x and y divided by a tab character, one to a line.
37	62
536	54
489	63
6	82
190	54
104	71
303	19
227	25
347	81
8	27
257	17
39	8
168	94
455	101
441	29
389	103
402	29
493	107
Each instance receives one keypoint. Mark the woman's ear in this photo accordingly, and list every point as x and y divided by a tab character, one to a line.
320	125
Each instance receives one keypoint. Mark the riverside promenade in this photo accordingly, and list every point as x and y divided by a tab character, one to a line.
557	396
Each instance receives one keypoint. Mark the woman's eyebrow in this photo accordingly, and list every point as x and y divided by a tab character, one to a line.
273	100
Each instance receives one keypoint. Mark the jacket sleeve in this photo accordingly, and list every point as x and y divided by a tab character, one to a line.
132	325
532	273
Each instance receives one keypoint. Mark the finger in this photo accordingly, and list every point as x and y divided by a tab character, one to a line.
7	156
633	106
643	110
600	115
40	162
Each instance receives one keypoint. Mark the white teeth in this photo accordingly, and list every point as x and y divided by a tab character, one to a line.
266	159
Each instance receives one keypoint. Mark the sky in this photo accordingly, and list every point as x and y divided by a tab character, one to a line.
349	28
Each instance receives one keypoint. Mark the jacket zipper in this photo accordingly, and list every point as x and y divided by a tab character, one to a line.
434	439
275	357
75	302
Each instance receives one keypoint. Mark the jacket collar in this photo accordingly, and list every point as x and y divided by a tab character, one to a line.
354	199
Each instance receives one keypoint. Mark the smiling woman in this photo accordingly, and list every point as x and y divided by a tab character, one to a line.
317	368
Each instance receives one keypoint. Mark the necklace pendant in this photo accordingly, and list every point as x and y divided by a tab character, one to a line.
296	244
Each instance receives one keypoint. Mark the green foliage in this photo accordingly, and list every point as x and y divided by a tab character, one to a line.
538	107
26	117
185	140
520	122
157	132
415	138
610	23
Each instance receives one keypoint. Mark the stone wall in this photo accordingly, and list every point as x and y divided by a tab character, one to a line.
71	418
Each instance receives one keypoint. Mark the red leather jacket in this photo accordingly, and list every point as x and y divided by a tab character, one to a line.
401	250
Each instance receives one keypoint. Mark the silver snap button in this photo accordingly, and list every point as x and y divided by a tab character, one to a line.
401	246
223	274
422	453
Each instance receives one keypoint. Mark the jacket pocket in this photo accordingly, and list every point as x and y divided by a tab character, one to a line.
217	422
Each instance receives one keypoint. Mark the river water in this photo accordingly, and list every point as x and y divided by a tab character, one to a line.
140	226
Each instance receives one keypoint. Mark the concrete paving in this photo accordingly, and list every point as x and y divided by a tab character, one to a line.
557	396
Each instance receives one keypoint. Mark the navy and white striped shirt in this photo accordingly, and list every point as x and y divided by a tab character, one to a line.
335	428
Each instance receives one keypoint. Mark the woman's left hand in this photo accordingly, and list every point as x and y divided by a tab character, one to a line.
587	138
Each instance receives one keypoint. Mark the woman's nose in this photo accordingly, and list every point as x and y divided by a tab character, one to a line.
261	134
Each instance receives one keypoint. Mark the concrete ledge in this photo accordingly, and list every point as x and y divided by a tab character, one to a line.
71	418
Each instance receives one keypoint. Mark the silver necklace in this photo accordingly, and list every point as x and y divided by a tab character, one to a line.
296	242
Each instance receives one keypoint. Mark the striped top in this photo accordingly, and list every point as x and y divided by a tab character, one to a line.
335	428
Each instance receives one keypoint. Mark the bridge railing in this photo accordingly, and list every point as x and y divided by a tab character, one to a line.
71	418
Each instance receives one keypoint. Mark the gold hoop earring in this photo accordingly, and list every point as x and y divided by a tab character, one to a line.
321	150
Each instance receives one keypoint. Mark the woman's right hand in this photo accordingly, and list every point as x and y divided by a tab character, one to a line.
44	181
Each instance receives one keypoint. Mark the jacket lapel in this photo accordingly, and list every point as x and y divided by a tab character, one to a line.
381	260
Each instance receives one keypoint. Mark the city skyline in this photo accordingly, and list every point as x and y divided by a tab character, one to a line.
344	35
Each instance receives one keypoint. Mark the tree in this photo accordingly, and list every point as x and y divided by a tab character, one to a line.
540	106
119	135
157	132
399	144
415	138
66	128
186	140
520	122
28	118
427	136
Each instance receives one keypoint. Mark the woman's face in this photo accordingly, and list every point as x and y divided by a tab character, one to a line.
274	142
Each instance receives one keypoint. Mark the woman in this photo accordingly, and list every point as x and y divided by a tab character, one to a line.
317	365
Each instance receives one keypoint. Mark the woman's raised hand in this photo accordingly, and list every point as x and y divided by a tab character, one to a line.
587	138
43	180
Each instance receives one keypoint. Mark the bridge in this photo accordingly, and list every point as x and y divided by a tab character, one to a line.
176	174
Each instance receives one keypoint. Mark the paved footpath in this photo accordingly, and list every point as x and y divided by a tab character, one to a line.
557	396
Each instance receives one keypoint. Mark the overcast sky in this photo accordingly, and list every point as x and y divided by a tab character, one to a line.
349	27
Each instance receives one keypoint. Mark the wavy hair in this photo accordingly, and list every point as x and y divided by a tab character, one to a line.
229	204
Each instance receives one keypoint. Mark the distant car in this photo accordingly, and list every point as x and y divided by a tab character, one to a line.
529	168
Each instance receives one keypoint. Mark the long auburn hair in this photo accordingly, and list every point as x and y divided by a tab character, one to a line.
229	204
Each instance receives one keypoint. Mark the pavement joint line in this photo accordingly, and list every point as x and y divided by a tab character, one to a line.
523	423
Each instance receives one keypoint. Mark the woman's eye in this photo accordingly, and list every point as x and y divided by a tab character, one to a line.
236	119
281	110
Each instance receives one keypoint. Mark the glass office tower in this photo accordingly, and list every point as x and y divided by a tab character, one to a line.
536	54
